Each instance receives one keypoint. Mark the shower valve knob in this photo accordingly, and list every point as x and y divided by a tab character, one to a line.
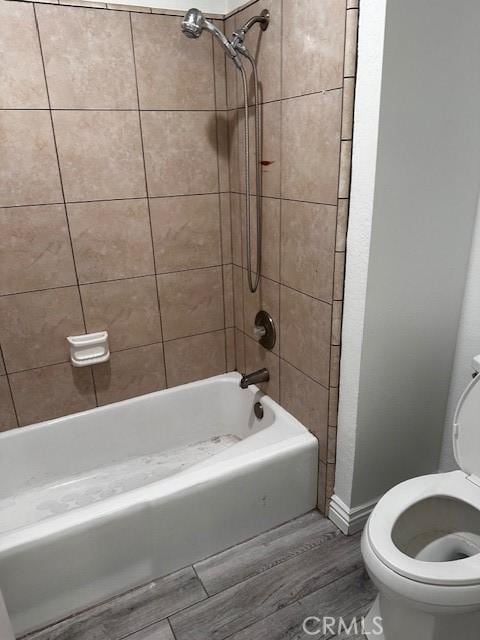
259	332
264	330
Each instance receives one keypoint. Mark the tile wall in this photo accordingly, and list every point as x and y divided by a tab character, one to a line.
122	205
306	62
110	212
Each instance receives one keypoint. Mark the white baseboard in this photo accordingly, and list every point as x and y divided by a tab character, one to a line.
349	520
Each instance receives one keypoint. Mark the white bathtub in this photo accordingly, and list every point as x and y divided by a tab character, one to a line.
99	502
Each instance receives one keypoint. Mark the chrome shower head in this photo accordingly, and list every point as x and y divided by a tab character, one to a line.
194	22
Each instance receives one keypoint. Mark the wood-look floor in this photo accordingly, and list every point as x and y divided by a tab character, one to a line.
262	589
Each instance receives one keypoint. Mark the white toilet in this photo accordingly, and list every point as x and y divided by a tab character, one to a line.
421	545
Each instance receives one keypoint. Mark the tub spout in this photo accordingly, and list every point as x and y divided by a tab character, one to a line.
261	375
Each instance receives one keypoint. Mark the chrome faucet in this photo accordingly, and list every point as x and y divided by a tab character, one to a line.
255	377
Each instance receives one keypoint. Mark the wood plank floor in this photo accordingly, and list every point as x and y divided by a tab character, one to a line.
261	589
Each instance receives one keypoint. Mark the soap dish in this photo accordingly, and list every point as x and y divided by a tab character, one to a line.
89	348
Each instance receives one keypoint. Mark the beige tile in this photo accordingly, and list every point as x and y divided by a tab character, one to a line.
172	72
322	482
270	151
52	392
345	169
334	365
34	327
347	111
219	62
332	444
337	309
8	419
270	262
256	357
305	333
308	248
35	251
333	406
2	365
195	358
130	373
111	240
307	401
228	295
186	232
352	4
127	309
237	209
313	45
265	46
28	162
230	69
270	239
223	150
267	298
233	150
342	225
88	58
22	82
180	152
226	226
238	294
240	351
351	43
330	484
311	146
100	154
230	347
339	277
191	302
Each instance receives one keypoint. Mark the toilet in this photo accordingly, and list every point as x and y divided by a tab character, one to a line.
421	545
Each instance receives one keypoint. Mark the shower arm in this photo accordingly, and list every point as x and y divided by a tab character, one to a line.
239	36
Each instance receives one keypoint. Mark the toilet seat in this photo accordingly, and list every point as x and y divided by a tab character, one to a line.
460	486
455	485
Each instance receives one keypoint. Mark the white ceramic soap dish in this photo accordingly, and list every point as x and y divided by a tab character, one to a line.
89	348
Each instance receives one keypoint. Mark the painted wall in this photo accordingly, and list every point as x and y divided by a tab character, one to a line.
409	240
222	7
468	345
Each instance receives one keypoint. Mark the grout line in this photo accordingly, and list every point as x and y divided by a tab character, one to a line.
9	383
87	284
136	346
157	289
67	202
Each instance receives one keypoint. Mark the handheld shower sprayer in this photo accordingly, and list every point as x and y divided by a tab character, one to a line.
193	24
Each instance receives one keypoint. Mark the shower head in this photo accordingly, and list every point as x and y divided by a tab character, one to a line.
194	22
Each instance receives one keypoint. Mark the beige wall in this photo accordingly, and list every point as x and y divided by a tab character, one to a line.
306	63
122	193
100	109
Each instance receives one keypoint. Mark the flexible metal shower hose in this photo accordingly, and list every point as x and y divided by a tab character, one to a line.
253	282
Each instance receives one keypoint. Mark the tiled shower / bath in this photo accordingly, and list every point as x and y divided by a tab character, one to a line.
126	193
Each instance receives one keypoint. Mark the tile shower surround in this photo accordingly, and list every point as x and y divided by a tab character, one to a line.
121	205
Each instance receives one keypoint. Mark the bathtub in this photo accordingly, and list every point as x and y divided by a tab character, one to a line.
98	502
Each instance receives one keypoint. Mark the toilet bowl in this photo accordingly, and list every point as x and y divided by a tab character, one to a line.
421	545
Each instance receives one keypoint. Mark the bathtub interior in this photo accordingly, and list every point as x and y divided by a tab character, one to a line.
54	467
